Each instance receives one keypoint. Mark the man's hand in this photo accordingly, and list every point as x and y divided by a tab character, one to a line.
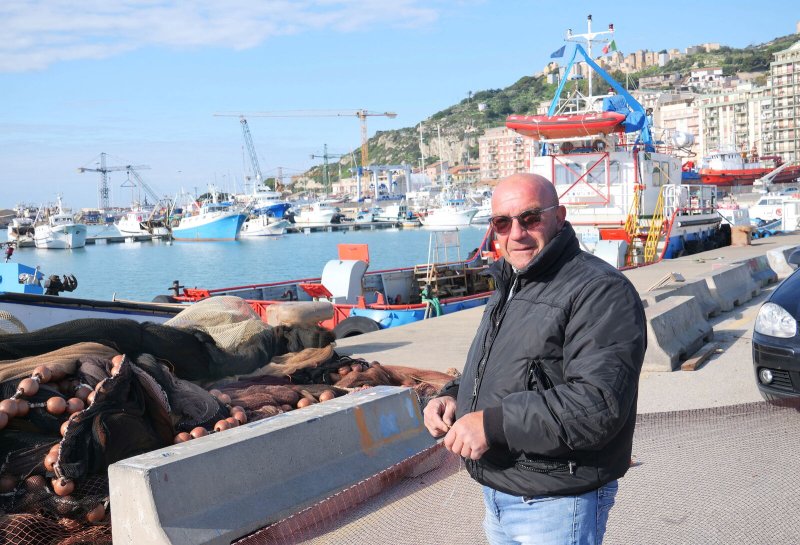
467	437
439	414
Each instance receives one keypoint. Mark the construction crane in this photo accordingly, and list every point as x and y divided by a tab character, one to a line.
103	203
251	150
325	156
361	114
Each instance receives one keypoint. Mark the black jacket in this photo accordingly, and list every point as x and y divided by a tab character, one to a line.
555	370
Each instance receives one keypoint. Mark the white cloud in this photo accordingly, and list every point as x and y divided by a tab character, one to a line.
38	33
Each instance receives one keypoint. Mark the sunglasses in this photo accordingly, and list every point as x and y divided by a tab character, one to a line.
527	220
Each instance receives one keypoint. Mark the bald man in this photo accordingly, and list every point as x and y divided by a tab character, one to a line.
545	410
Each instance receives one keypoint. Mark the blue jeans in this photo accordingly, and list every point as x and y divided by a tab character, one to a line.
548	520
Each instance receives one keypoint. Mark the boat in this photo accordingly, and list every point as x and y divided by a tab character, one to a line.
317	214
623	192
30	299
210	221
140	220
452	214
566	125
20	232
367	301
56	229
268	214
395	213
263	225
726	168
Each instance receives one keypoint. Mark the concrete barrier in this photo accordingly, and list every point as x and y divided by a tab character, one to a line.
221	487
696	287
778	259
760	271
731	285
676	329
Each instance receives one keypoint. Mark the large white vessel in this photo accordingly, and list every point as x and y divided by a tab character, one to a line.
452	214
623	192
56	229
318	214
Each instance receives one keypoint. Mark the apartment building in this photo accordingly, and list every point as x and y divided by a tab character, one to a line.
503	152
783	119
736	120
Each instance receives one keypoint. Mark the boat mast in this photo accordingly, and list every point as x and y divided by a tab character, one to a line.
589	38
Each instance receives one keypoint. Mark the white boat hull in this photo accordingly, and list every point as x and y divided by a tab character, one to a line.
443	217
61	237
263	226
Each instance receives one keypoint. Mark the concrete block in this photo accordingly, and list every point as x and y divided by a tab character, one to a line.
696	287
676	329
218	488
778	260
760	271
731	285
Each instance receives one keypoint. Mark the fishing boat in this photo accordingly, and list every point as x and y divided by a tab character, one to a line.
623	192
566	125
56	229
452	214
263	225
141	220
317	214
210	221
367	301
30	299
726	168
20	232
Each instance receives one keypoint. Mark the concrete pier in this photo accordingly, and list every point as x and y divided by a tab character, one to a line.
146	505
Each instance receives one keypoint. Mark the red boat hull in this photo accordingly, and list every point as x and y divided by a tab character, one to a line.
566	126
746	176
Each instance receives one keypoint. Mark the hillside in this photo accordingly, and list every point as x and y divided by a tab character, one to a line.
462	123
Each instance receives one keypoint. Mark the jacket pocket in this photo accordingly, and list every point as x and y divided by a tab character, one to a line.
538	381
546	466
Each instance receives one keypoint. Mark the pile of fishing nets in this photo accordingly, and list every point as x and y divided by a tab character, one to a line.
85	394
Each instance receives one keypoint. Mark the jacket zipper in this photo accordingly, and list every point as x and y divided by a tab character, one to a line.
487	346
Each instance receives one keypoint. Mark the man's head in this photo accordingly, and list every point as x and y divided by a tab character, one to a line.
514	196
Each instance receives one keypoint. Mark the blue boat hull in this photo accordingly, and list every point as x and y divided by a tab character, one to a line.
225	228
394	318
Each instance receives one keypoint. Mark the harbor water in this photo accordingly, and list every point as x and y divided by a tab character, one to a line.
141	270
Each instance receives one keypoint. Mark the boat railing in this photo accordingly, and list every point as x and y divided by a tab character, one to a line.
690	199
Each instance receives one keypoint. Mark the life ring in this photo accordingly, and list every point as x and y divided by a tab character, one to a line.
779	211
355	325
599	145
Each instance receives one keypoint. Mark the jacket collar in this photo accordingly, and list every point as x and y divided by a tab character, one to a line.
558	251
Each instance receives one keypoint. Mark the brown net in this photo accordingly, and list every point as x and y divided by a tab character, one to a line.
53	464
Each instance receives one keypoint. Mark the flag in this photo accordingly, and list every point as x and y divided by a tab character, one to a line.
558	53
610	47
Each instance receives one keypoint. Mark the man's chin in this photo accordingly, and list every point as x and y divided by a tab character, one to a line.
520	259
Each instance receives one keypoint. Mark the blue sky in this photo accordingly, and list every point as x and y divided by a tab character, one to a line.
141	79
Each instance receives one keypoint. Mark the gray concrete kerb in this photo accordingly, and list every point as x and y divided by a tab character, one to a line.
218	488
676	329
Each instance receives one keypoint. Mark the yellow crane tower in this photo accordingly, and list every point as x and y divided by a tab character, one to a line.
361	114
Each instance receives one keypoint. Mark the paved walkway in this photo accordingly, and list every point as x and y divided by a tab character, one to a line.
714	463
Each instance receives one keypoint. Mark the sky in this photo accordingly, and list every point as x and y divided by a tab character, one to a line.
141	80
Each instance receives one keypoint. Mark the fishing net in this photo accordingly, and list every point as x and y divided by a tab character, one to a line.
53	463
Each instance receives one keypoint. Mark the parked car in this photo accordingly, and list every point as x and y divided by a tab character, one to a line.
776	340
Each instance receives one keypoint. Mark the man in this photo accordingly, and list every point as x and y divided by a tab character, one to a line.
545	409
